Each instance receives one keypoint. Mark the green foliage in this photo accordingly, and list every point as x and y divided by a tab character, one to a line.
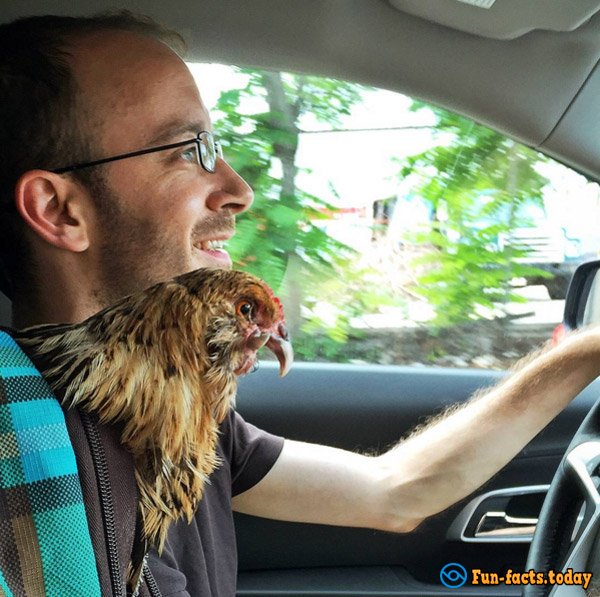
474	181
325	332
280	223
279	239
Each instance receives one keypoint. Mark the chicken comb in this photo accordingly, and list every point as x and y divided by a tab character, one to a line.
276	300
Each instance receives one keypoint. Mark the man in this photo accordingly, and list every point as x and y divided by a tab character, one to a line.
77	92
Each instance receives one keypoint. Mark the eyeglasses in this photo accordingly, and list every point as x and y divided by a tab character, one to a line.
207	151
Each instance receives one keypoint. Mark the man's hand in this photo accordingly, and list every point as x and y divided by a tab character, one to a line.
438	465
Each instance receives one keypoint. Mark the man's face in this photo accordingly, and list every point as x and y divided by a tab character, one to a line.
157	212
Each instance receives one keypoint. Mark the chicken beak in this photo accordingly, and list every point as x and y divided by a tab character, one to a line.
279	344
258	339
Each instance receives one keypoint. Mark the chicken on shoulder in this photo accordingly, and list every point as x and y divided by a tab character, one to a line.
164	363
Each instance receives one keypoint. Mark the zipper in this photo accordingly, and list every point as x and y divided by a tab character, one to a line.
106	501
151	582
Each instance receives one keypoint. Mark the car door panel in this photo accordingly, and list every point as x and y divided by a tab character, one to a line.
368	409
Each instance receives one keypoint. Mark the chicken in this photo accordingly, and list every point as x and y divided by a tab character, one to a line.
164	363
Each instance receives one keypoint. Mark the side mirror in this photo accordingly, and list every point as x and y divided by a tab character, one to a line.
582	306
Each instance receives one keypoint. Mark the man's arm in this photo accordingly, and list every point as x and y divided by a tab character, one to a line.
438	465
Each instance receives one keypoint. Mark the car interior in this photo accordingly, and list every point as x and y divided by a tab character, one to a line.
527	68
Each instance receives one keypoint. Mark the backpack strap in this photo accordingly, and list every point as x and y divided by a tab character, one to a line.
45	540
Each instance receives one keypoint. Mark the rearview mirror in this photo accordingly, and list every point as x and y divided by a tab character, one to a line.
582	306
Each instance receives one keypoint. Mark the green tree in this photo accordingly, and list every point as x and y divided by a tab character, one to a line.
474	181
279	239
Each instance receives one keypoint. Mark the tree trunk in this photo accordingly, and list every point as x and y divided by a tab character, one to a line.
284	117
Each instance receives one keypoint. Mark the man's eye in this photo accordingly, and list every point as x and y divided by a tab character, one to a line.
189	155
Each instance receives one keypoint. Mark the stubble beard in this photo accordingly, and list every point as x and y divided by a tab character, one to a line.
136	253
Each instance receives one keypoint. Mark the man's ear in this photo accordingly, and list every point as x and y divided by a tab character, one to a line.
53	206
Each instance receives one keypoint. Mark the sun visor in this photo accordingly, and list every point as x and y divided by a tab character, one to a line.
501	19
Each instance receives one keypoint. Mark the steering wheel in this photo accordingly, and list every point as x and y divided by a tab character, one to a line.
574	484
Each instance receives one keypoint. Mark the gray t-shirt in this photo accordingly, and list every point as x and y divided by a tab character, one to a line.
200	559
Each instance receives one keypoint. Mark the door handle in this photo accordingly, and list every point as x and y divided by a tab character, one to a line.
485	519
500	524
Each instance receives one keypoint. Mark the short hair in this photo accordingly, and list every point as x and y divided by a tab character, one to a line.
38	113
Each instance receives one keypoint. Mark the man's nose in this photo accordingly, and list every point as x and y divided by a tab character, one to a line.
230	190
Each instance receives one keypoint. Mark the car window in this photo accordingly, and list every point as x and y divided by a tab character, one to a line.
396	232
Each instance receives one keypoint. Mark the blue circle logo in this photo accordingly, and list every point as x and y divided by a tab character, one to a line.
453	575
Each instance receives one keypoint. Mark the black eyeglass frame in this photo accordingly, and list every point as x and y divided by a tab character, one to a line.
198	141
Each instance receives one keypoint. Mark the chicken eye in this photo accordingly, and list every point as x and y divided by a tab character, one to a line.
244	308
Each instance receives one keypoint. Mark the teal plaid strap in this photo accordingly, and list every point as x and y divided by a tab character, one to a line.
45	545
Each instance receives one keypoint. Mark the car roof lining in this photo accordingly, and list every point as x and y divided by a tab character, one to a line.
539	87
